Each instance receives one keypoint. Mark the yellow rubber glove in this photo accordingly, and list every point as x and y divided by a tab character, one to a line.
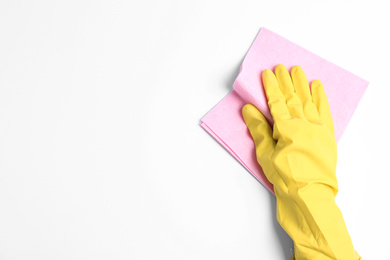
298	156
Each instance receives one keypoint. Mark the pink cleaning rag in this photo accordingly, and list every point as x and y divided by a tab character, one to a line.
225	123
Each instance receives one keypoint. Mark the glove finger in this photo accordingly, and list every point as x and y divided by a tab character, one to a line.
302	89
321	102
276	99
294	104
261	133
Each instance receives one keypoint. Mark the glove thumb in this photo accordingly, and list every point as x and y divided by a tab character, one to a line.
261	133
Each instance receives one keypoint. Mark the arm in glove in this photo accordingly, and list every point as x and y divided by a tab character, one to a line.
298	156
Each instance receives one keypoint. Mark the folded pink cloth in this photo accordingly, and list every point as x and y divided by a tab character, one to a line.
225	123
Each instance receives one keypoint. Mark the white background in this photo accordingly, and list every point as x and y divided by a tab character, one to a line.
101	154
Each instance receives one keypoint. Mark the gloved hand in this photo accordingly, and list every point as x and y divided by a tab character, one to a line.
298	156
